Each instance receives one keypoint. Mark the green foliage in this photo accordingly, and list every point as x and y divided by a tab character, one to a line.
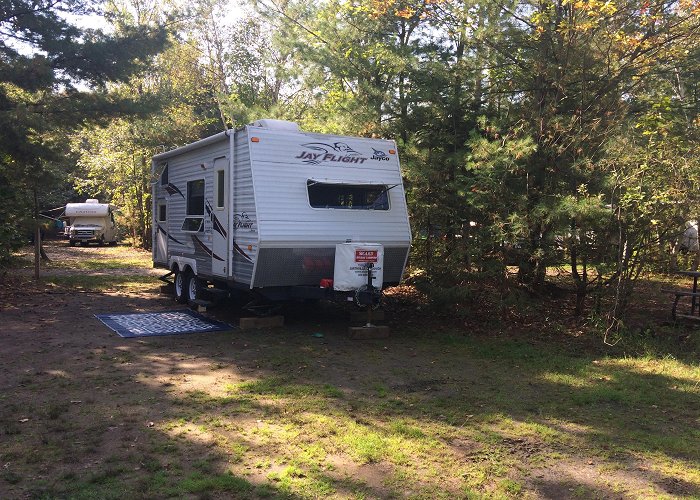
45	58
13	215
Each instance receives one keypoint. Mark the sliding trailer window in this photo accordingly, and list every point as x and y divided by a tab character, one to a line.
348	196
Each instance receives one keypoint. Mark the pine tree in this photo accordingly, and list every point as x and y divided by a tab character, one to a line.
52	78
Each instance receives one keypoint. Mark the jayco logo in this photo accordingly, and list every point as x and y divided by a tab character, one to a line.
379	155
242	221
338	152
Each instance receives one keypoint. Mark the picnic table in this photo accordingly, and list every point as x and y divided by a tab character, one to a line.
693	294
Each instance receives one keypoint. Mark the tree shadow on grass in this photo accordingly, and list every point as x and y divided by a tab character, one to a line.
284	413
376	396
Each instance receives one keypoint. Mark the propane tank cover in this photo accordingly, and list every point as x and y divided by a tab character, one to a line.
351	260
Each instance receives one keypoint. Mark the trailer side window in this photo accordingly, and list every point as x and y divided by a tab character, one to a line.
162	213
194	221
348	196
195	197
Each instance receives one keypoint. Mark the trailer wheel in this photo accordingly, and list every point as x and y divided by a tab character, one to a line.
193	287
180	283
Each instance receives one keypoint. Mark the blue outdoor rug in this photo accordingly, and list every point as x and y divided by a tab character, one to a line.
131	325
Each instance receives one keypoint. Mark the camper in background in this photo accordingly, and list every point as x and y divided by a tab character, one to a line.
90	222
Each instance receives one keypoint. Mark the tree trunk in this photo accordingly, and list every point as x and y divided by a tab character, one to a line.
37	238
578	240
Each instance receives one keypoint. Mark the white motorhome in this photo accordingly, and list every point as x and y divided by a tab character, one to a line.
265	207
90	222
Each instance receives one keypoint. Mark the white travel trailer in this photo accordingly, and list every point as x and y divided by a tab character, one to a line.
90	222
263	208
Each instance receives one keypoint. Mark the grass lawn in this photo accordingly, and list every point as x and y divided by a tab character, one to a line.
435	411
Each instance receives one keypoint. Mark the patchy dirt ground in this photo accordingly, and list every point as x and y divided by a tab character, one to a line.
303	411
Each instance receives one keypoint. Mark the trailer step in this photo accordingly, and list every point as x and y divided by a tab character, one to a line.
210	297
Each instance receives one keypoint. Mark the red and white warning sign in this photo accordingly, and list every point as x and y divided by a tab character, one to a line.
364	256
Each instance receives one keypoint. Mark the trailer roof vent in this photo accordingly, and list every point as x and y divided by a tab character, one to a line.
277	125
91	200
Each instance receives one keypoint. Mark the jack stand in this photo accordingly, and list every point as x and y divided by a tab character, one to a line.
369	331
370	288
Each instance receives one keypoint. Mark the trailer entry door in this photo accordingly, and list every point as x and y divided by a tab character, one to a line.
160	245
219	218
161	230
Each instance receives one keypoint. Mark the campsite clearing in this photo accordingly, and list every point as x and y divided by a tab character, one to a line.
434	411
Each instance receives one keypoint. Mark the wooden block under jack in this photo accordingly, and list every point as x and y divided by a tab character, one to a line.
264	322
369	332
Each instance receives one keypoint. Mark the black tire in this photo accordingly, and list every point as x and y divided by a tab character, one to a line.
101	241
72	243
180	284
113	243
193	287
83	243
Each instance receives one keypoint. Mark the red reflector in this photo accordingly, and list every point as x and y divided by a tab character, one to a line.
326	283
392	151
254	139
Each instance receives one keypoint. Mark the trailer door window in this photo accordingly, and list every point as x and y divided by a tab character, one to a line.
164	176
348	196
194	221
220	189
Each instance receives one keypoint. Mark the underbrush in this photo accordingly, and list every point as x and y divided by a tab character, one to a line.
491	305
